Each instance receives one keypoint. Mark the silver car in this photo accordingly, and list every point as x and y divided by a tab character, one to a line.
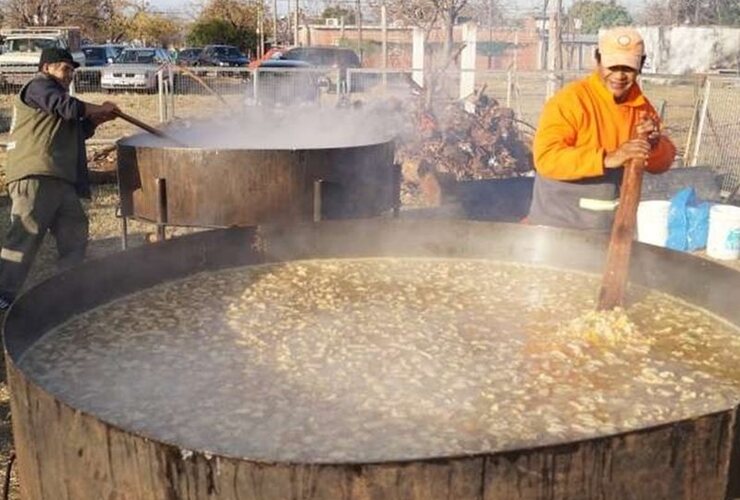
135	69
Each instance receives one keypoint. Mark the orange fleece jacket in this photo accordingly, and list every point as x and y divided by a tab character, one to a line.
581	123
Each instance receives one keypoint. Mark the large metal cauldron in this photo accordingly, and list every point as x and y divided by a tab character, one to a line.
67	454
225	187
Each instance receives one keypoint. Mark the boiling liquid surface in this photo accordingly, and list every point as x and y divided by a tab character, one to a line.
384	359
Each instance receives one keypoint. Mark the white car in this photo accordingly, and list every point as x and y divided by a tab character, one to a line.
135	69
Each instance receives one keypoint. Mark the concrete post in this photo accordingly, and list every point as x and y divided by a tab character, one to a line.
417	60
467	63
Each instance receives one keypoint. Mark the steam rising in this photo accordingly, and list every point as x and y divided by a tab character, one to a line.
291	129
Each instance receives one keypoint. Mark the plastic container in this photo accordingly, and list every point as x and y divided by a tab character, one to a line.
652	222
724	232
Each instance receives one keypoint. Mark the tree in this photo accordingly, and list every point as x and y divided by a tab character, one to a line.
102	20
115	20
153	29
22	13
210	31
238	13
696	12
448	11
427	14
595	14
232	22
487	13
337	12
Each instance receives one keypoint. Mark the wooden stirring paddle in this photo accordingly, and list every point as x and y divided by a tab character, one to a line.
148	128
614	282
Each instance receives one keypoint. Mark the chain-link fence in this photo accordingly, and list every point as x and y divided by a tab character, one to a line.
196	92
701	114
717	130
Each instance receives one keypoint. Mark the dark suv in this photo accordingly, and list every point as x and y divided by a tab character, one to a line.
222	55
189	56
328	57
325	57
283	82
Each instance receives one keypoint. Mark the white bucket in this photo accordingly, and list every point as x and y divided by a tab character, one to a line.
652	222
724	232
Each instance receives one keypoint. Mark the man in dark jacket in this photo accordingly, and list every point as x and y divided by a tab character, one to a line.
46	172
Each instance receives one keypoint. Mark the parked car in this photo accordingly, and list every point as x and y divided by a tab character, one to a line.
272	53
340	58
330	57
283	82
189	56
135	69
222	55
96	56
100	55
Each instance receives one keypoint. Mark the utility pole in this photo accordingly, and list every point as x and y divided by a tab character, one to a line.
558	46
554	35
384	28
261	29
554	59
490	34
544	41
359	30
295	27
274	23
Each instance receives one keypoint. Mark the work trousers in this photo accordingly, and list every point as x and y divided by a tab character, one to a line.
41	204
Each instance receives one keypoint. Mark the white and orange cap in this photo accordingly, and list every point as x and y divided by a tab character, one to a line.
621	46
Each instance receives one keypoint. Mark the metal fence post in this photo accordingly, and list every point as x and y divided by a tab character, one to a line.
688	146
160	96
702	120
171	89
509	84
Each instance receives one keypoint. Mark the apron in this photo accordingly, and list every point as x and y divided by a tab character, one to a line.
587	204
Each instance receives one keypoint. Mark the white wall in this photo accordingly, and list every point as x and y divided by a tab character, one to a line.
690	49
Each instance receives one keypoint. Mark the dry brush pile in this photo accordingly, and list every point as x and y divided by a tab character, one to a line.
449	144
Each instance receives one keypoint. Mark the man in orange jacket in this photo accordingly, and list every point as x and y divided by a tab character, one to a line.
587	133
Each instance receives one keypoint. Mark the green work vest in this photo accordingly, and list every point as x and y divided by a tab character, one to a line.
42	144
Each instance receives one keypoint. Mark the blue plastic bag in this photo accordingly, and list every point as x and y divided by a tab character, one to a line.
688	222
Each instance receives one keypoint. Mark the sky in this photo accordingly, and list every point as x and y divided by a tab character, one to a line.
186	6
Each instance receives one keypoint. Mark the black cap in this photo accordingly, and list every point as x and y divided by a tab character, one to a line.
55	55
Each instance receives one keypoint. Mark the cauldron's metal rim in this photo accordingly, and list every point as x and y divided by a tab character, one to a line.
127	142
590	237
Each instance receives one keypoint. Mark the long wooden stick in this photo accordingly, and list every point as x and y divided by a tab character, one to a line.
148	128
614	281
